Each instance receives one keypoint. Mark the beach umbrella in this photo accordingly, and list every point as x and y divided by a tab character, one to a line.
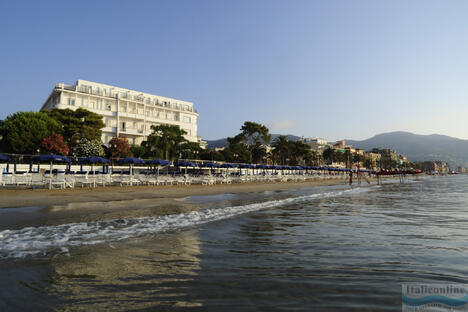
50	159
158	162
92	161
5	159
131	161
227	166
186	164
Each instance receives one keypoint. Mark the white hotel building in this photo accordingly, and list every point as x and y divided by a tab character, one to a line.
125	112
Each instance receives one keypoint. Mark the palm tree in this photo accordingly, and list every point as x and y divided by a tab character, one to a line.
281	149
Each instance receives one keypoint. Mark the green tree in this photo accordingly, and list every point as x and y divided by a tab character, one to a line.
237	153
211	154
251	140
23	132
138	151
281	149
328	155
87	148
168	142
78	124
300	152
190	150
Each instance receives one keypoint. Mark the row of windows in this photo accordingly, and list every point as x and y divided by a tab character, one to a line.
98	104
133	140
126	95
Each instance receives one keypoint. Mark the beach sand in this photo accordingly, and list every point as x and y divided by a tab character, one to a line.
43	197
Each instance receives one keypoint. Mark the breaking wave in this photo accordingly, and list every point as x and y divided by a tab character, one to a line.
44	240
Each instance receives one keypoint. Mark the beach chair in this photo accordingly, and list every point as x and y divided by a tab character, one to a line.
22	179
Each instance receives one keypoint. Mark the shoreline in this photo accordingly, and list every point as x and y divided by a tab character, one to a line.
43	197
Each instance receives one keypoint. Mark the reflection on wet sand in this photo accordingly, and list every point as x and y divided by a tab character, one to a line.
129	275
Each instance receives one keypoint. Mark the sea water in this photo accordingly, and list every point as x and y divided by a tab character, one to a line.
324	248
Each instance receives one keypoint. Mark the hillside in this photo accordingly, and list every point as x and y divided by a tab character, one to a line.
416	147
419	147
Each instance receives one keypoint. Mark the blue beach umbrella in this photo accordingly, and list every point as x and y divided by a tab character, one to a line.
228	166
158	162
92	160
4	158
131	161
186	164
210	165
50	159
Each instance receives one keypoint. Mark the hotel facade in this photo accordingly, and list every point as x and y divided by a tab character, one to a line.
125	112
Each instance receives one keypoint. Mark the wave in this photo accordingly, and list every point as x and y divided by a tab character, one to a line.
43	240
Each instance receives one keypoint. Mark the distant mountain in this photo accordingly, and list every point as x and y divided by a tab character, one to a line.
419	147
416	147
223	142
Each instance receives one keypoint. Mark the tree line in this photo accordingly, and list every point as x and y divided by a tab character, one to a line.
78	133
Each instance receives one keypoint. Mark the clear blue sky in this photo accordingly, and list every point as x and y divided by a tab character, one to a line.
332	69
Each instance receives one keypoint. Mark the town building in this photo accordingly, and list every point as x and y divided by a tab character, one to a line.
316	144
374	159
125	112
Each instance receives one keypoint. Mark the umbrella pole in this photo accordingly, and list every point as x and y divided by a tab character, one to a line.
94	176
50	175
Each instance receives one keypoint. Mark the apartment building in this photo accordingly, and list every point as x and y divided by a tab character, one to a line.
316	144
125	112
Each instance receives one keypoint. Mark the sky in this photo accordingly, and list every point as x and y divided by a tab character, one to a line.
331	69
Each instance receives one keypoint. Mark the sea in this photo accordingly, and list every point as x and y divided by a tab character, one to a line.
328	248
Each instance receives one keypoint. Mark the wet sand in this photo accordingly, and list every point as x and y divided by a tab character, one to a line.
156	194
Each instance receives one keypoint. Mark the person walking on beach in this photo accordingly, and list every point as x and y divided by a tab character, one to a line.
350	176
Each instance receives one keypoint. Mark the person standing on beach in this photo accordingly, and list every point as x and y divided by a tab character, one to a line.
350	176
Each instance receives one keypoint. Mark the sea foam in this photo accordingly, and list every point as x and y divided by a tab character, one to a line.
43	240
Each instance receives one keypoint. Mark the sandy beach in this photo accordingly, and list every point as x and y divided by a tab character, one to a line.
42	197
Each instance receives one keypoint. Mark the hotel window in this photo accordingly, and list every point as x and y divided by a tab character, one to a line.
71	101
82	101
187	119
